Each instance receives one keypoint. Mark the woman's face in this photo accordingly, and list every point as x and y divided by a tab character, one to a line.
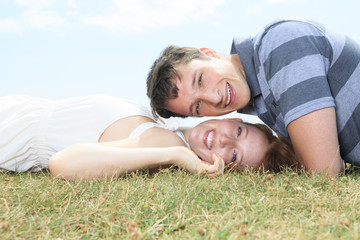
234	141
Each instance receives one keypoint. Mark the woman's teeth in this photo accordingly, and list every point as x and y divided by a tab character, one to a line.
228	94
209	140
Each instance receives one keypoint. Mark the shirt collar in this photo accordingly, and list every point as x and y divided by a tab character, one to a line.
245	50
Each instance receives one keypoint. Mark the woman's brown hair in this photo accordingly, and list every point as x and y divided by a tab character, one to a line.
280	154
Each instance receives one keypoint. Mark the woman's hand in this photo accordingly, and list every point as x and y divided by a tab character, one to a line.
187	159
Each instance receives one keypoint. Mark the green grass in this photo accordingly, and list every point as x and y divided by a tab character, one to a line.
173	204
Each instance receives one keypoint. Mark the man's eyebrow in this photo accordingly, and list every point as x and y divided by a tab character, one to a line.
192	86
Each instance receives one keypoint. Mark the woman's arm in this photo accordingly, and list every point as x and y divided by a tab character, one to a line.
315	140
93	160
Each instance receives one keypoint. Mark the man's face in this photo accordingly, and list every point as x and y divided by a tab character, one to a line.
209	87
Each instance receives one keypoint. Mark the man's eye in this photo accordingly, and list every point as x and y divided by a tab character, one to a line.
239	131
197	108
200	79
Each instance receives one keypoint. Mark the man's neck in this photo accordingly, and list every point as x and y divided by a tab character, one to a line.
236	61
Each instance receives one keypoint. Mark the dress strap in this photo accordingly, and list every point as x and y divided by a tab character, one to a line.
142	128
147	125
181	135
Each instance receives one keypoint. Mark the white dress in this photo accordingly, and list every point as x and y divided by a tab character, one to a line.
33	129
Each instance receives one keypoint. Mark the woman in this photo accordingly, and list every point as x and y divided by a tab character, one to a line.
99	135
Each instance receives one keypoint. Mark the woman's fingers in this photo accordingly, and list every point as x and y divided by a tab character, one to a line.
217	168
220	164
190	161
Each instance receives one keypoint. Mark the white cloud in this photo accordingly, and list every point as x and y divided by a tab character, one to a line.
141	15
217	24
44	19
276	1
71	4
35	4
284	1
123	16
254	11
40	14
10	26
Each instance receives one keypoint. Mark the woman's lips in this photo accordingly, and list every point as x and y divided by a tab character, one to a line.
208	138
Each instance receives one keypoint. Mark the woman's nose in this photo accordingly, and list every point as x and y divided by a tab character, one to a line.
225	140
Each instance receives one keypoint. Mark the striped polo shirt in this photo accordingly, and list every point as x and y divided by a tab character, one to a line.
296	67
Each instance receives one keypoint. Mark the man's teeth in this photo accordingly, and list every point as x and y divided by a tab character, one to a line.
228	94
209	139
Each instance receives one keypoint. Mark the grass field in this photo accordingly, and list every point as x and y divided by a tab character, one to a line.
174	204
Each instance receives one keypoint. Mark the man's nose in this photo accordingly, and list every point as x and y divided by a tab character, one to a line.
211	96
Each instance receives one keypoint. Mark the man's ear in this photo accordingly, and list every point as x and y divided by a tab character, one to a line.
235	119
209	52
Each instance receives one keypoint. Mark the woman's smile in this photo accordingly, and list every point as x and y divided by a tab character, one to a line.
231	140
208	138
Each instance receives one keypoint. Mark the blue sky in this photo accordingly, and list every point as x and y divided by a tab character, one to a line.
64	48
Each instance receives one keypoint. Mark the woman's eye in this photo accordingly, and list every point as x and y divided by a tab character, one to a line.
239	131
234	157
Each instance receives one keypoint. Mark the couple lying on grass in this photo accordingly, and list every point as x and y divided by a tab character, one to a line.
300	78
104	136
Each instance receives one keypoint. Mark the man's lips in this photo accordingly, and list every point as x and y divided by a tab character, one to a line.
208	138
230	95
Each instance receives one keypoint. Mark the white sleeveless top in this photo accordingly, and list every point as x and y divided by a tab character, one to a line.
33	129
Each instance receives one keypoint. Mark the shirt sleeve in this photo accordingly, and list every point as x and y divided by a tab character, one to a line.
295	57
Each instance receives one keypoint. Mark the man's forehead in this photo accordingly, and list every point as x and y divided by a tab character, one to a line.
184	71
180	68
179	105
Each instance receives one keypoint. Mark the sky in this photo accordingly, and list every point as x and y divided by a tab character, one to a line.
64	48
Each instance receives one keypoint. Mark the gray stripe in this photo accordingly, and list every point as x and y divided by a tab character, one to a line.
303	92
320	26
246	53
344	67
280	126
354	156
348	98
282	32
275	122
260	105
272	104
337	41
268	114
308	107
269	118
349	137
294	50
298	71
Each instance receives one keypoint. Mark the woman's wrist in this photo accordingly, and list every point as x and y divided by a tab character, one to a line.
175	155
183	157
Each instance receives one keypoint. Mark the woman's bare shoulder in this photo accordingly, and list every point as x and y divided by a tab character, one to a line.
161	137
122	128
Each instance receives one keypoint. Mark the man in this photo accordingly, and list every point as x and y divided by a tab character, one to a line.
300	78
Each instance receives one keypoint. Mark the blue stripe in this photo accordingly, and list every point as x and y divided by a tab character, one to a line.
245	52
269	118
349	137
344	66
273	110
294	50
303	92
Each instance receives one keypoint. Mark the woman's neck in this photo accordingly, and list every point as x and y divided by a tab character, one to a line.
186	131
